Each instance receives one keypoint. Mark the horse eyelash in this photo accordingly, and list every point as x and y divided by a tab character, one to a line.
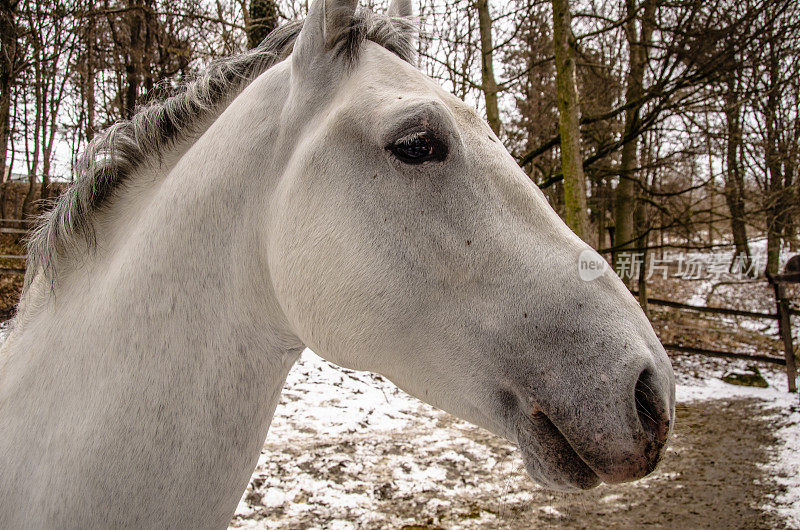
412	136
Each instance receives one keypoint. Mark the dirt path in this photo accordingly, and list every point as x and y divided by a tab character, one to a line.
710	478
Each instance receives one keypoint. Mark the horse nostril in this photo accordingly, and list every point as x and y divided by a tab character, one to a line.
651	409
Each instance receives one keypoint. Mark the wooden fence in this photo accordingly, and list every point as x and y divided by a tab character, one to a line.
15	226
783	315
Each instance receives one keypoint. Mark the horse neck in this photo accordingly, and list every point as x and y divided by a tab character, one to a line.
191	216
172	316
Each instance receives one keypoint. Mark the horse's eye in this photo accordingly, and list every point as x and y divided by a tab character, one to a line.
418	147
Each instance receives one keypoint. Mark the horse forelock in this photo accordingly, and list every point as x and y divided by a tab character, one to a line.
113	155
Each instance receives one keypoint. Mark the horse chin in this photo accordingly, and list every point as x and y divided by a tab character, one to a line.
549	458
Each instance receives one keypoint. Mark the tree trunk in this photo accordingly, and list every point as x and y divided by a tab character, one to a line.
8	45
642	283
48	139
791	182
569	122
487	66
734	182
27	202
790	206
5	133
602	191
33	158
89	79
132	73
626	196
774	178
642	223
262	19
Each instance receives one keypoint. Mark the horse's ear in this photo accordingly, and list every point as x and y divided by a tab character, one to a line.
401	8
326	20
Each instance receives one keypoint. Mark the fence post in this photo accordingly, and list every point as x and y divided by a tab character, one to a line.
785	329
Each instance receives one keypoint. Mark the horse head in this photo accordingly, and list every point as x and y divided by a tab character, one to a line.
404	239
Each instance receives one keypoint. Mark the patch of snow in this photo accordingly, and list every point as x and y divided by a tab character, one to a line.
549	510
702	290
373	443
336	401
785	468
713	388
274	497
616	497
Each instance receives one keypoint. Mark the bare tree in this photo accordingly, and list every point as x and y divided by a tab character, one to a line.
638	31
569	122
8	72
489	84
49	36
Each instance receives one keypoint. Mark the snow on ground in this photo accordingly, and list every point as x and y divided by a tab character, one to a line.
701	293
324	407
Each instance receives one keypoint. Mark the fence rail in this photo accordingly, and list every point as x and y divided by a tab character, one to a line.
715	310
14	230
783	315
726	355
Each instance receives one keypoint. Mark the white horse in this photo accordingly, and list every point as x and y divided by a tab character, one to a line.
318	191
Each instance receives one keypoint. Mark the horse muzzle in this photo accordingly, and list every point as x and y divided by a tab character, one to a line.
569	447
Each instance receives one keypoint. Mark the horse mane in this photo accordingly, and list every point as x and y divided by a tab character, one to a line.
113	155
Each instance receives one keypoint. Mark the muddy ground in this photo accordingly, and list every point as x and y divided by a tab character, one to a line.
711	477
